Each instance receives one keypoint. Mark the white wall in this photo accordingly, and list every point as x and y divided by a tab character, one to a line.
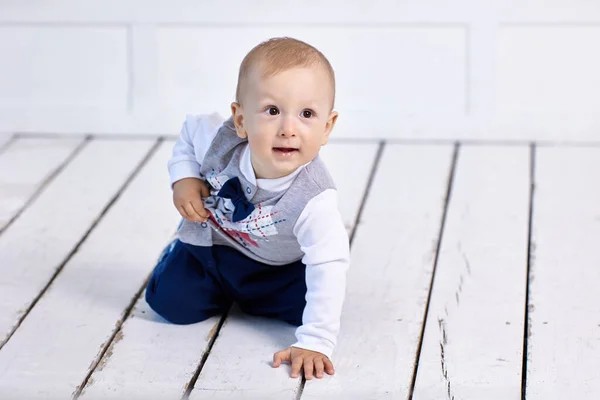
429	69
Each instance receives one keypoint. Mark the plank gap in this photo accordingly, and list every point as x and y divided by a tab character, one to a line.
130	306
6	142
374	168
111	339
44	183
78	245
527	324
192	383
451	177
370	180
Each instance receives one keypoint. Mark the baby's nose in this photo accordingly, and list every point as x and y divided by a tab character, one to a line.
287	133
287	128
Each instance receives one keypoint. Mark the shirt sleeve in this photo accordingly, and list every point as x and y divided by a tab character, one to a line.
197	133
325	243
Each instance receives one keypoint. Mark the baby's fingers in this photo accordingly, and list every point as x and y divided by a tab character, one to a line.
319	368
281	356
308	368
296	366
183	213
328	366
199	210
191	212
204	192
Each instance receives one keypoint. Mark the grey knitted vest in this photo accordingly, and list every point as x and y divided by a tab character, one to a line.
266	235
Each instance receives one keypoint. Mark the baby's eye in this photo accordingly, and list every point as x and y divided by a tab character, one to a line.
307	113
272	111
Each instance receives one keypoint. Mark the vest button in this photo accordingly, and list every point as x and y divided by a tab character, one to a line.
204	224
248	190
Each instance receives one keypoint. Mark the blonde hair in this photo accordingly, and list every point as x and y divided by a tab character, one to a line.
280	54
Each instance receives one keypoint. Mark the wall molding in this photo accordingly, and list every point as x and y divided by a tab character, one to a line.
462	84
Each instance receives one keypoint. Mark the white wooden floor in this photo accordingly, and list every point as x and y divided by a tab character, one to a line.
465	283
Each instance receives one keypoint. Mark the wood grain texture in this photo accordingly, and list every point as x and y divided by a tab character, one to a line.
473	343
25	166
239	362
38	242
350	166
151	358
388	282
564	308
69	327
239	365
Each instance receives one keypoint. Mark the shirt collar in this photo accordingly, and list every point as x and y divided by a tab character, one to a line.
272	185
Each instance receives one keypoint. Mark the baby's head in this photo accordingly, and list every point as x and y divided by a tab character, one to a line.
284	105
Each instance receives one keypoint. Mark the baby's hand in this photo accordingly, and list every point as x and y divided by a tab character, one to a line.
308	359
187	197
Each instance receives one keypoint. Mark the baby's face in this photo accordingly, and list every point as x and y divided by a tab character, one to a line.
286	118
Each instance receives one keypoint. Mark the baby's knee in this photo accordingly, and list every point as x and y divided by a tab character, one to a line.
164	304
176	300
180	290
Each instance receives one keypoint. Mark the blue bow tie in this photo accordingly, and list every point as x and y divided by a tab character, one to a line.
232	189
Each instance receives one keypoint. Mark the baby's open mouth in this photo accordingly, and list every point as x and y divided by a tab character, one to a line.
284	150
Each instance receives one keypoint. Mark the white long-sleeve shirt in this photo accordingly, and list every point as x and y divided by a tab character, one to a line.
319	230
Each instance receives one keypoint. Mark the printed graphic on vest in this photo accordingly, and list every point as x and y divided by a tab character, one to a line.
236	215
260	224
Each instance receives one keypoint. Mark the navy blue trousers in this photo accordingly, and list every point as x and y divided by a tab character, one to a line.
192	283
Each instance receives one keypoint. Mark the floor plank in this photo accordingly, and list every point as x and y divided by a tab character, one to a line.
167	356
90	296
24	166
5	138
564	311
38	242
348	162
479	284
239	365
239	362
152	358
473	343
392	261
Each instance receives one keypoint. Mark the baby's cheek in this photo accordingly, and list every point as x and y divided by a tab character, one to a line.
261	146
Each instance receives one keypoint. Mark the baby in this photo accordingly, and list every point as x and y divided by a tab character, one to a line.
261	225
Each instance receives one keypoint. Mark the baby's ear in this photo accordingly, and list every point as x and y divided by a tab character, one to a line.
331	120
238	120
